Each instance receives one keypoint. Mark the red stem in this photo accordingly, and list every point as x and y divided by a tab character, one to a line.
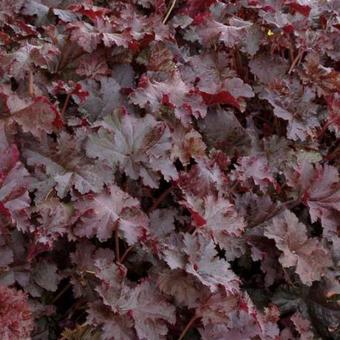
153	207
65	104
333	154
169	11
295	61
56	298
187	327
286	205
117	245
160	199
127	251
30	84
327	124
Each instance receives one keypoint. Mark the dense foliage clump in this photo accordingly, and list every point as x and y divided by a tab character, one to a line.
169	169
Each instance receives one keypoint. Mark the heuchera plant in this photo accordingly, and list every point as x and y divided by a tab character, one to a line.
169	169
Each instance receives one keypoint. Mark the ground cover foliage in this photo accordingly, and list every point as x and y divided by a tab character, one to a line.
169	169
